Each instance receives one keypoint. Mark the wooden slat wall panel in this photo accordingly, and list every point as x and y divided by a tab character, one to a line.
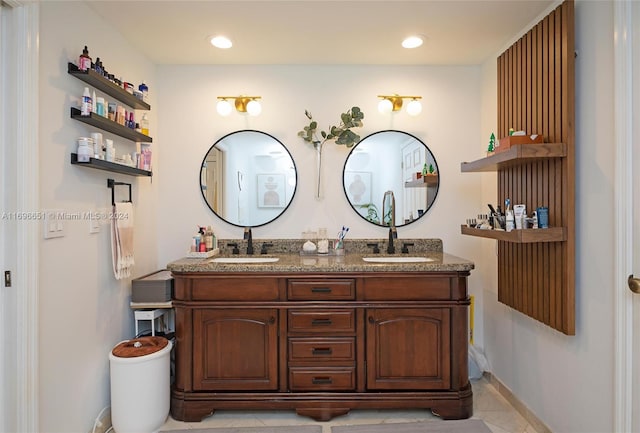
536	94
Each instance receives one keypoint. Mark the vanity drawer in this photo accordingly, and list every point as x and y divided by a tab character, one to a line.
406	289
322	379
328	290
321	321
235	289
322	349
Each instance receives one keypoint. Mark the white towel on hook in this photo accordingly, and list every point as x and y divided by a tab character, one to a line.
122	239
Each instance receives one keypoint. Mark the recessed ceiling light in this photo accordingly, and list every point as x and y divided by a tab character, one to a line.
221	42
412	42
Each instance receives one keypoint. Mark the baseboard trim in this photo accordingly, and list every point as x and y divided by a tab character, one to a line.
518	405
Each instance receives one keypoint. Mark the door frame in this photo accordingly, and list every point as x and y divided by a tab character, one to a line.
23	334
623	259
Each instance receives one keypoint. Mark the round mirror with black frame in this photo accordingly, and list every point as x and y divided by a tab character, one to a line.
248	178
391	178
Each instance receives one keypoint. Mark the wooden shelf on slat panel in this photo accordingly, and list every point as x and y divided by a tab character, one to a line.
552	234
515	155
423	182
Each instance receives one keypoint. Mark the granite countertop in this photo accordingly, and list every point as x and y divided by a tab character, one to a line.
291	260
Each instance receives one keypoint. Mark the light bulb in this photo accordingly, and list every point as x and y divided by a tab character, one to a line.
385	106
221	42
414	107
254	108
223	107
412	42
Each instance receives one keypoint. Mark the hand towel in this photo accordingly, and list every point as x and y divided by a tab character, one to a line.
122	240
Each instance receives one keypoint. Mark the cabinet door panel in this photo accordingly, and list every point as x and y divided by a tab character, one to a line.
408	349
235	349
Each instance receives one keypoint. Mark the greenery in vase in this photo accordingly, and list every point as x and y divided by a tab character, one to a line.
341	133
372	212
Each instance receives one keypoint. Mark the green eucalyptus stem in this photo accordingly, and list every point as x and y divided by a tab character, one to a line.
341	134
318	168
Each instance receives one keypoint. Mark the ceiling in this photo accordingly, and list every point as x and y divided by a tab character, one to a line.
319	31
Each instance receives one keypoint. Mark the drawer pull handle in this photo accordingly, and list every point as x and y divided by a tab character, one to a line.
322	381
321	322
321	351
321	290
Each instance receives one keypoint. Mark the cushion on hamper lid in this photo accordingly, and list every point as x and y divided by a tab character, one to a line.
139	347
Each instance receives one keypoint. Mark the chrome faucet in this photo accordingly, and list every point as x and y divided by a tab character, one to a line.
393	234
249	238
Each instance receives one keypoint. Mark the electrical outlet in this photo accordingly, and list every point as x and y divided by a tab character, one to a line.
94	222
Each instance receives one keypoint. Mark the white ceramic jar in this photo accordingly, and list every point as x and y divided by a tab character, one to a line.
85	149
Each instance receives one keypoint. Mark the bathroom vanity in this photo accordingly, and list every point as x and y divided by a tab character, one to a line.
322	335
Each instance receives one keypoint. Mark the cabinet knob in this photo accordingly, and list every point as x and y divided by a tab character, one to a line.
371	319
272	320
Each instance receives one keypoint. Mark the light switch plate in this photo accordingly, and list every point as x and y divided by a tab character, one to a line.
53	224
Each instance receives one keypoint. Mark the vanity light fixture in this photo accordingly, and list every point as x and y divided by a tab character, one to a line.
391	103
243	104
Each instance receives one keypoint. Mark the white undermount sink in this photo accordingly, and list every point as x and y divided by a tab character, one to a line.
397	259
244	260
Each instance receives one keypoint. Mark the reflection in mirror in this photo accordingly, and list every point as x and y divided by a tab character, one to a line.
383	178
248	178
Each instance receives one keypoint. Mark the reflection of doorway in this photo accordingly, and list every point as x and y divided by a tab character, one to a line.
413	159
214	176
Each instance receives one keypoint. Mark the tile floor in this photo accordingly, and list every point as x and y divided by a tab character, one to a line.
488	405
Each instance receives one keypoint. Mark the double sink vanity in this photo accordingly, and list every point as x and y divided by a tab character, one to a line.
322	334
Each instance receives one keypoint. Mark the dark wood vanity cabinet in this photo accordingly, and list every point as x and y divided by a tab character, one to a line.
408	348
321	344
238	349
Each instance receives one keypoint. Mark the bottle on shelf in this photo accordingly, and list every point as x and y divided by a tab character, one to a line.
87	103
84	61
144	89
144	124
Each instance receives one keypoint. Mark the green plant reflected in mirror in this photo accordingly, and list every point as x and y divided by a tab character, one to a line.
391	178
248	178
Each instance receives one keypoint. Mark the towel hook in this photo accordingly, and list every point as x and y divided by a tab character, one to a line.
112	184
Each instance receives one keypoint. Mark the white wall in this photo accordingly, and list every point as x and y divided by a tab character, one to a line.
189	125
83	310
567	381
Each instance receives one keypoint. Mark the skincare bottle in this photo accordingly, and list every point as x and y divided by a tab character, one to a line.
145	92
510	221
100	107
110	150
144	124
87	103
93	102
84	61
208	238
